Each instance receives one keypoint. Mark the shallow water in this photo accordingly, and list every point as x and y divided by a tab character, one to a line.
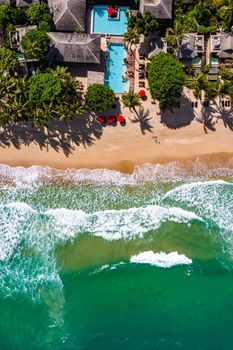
101	260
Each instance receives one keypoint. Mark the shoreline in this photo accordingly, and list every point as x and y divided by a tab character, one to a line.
84	144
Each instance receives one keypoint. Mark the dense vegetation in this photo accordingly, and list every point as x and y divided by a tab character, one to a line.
35	44
52	94
99	97
11	16
166	79
204	16
8	61
142	23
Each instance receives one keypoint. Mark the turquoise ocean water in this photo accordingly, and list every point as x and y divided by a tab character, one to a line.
104	260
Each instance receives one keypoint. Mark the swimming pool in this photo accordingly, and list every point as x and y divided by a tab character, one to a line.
101	24
116	68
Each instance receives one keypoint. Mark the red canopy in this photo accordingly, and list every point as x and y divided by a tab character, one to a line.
110	10
120	119
142	93
112	119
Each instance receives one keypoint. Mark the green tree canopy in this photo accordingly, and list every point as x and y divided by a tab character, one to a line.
8	60
9	16
35	44
166	79
45	87
53	94
99	97
38	13
142	23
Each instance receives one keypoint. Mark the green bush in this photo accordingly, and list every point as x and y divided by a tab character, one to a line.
143	24
35	44
8	60
45	87
38	13
99	97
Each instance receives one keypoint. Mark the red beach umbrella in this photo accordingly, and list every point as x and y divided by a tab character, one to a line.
110	10
142	93
120	119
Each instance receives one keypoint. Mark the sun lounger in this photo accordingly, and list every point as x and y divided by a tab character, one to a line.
141	84
141	66
101	120
112	119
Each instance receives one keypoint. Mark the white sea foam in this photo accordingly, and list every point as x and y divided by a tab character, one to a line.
174	171
161	259
210	199
118	224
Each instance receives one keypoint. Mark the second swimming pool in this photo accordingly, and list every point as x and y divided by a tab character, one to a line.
115	68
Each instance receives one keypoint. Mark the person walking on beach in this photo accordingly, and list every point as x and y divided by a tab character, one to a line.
156	138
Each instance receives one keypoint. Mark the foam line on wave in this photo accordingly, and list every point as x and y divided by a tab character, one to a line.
173	171
210	199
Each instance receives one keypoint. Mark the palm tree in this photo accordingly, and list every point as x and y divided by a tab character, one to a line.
230	61
131	38
32	51
175	36
199	85
131	100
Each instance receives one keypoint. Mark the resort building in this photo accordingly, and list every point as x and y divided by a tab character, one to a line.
75	48
221	47
161	9
21	3
68	15
191	50
152	45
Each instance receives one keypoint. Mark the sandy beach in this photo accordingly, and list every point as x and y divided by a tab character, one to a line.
86	144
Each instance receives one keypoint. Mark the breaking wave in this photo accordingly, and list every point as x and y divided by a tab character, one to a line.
174	171
161	259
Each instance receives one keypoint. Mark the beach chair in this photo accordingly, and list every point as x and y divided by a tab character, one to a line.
101	120
141	84
112	119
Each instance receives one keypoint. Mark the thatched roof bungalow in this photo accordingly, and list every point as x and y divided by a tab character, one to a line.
24	3
75	48
68	15
21	3
161	9
222	44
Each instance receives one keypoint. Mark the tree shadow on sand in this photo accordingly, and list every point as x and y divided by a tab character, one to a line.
206	118
58	135
142	117
227	117
181	117
209	116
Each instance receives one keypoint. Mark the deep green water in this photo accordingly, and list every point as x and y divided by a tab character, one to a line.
67	276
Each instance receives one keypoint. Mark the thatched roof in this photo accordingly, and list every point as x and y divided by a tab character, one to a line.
74	47
23	3
68	15
226	45
161	9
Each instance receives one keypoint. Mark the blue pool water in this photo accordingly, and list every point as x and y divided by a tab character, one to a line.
101	24
116	68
